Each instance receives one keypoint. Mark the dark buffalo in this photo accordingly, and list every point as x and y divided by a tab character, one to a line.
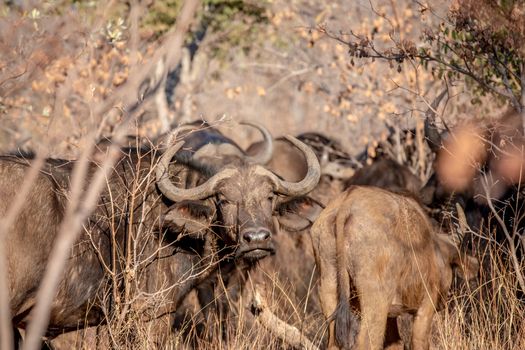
290	164
388	174
172	213
480	167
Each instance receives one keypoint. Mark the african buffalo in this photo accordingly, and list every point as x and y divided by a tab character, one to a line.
294	263
388	174
379	251
296	215
160	226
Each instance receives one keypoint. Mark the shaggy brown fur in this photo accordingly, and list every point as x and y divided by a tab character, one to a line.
383	246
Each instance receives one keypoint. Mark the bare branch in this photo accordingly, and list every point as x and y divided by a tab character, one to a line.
287	333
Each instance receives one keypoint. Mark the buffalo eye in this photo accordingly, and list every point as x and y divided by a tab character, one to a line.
225	201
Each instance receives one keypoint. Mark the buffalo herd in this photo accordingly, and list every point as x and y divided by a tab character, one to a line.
193	210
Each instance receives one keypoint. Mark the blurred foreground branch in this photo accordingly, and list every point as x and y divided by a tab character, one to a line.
82	203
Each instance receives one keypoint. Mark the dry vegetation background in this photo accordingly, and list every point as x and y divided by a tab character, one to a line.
265	62
269	61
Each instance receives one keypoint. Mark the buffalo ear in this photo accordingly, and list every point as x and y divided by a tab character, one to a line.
467	266
189	217
298	214
429	191
464	264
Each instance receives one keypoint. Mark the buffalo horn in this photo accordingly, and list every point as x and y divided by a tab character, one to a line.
266	152
463	224
176	194
305	185
431	132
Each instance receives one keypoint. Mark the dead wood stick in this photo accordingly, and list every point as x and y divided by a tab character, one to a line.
282	330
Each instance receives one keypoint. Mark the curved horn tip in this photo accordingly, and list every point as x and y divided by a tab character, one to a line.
431	132
295	141
266	153
308	183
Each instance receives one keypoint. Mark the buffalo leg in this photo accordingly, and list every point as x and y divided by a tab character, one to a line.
374	305
422	324
328	298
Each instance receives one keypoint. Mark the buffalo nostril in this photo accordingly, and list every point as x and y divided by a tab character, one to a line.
247	236
256	236
264	235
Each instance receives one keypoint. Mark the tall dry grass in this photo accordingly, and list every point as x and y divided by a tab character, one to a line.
489	314
485	314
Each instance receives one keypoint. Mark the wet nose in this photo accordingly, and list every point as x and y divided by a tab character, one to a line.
256	236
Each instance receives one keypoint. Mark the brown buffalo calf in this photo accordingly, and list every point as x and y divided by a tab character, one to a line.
381	248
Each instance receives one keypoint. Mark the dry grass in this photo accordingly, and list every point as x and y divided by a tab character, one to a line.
487	314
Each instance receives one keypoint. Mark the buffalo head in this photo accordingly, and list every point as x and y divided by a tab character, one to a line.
241	198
